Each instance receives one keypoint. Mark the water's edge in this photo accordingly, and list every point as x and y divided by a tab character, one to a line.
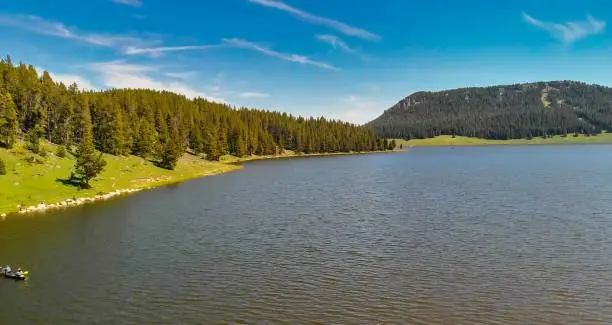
75	202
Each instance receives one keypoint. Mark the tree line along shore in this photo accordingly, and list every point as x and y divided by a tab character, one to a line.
58	142
449	140
41	182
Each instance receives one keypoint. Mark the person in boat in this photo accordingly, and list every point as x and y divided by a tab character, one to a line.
19	273
6	269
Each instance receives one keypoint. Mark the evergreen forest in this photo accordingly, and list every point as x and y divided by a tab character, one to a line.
539	109
157	125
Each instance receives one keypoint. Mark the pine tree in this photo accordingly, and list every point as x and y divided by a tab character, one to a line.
11	79
120	143
34	140
31	100
32	110
299	144
211	143
161	126
308	148
196	140
170	155
173	149
82	116
66	116
145	139
241	146
109	129
222	139
9	123
47	111
88	165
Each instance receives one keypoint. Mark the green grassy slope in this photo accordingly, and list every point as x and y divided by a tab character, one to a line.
30	183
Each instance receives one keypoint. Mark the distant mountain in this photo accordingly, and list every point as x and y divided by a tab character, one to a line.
500	112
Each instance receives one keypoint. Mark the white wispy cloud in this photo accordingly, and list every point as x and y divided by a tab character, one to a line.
283	56
250	94
133	3
570	31
37	25
57	29
335	42
319	20
119	74
128	45
68	79
357	109
180	75
156	51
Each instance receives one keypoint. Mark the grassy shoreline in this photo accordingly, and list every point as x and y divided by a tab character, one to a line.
36	184
291	155
449	141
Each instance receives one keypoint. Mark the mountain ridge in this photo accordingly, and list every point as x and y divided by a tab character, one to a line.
507	111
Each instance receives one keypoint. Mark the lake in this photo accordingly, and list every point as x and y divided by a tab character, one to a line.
473	235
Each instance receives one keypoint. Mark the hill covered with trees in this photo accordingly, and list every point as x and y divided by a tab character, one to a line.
500	112
161	125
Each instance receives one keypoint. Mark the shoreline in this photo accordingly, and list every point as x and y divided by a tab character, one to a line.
555	144
237	163
294	156
461	141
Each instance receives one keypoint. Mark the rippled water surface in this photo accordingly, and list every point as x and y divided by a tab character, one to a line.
496	235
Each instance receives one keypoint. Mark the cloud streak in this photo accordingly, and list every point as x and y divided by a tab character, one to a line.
570	31
357	109
253	95
56	29
319	20
156	51
181	75
128	45
235	42
118	74
133	3
68	79
335	42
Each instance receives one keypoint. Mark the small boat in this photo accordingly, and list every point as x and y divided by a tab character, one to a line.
13	275
7	273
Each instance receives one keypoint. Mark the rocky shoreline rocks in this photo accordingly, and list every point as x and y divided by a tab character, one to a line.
72	202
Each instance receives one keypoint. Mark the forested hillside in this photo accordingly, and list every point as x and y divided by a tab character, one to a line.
157	124
500	112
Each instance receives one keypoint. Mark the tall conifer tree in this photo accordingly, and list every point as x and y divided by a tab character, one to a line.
8	120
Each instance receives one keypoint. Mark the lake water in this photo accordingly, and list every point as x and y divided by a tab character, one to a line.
489	235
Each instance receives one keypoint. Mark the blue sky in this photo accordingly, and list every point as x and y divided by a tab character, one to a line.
344	59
